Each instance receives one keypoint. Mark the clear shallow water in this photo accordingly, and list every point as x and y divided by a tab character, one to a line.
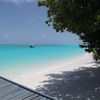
21	57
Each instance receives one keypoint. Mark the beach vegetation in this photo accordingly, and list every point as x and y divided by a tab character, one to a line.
81	17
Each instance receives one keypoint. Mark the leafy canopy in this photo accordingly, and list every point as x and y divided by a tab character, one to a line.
81	17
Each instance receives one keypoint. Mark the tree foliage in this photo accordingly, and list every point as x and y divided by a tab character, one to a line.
81	17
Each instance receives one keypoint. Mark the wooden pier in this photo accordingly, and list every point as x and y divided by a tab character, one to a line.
12	91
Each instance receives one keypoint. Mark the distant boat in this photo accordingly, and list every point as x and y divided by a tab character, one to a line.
31	46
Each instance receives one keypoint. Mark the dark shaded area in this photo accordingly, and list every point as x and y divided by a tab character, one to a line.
81	84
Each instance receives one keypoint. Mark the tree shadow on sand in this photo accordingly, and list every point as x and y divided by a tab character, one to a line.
81	84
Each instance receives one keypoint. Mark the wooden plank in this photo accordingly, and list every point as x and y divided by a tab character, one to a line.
3	82
35	97
12	91
31	97
4	85
7	90
21	96
10	94
15	94
38	98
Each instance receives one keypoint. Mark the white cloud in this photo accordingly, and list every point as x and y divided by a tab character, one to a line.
18	1
7	36
31	20
44	36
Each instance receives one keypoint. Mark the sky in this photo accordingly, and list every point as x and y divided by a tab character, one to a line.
23	22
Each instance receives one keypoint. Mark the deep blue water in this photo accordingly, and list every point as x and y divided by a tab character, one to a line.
19	56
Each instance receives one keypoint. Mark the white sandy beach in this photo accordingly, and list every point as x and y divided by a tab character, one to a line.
32	79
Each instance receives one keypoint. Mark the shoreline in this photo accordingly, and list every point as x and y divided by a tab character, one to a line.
32	79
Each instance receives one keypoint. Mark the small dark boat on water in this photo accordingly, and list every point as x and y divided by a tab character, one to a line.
31	46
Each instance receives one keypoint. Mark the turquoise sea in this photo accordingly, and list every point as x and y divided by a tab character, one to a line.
19	57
